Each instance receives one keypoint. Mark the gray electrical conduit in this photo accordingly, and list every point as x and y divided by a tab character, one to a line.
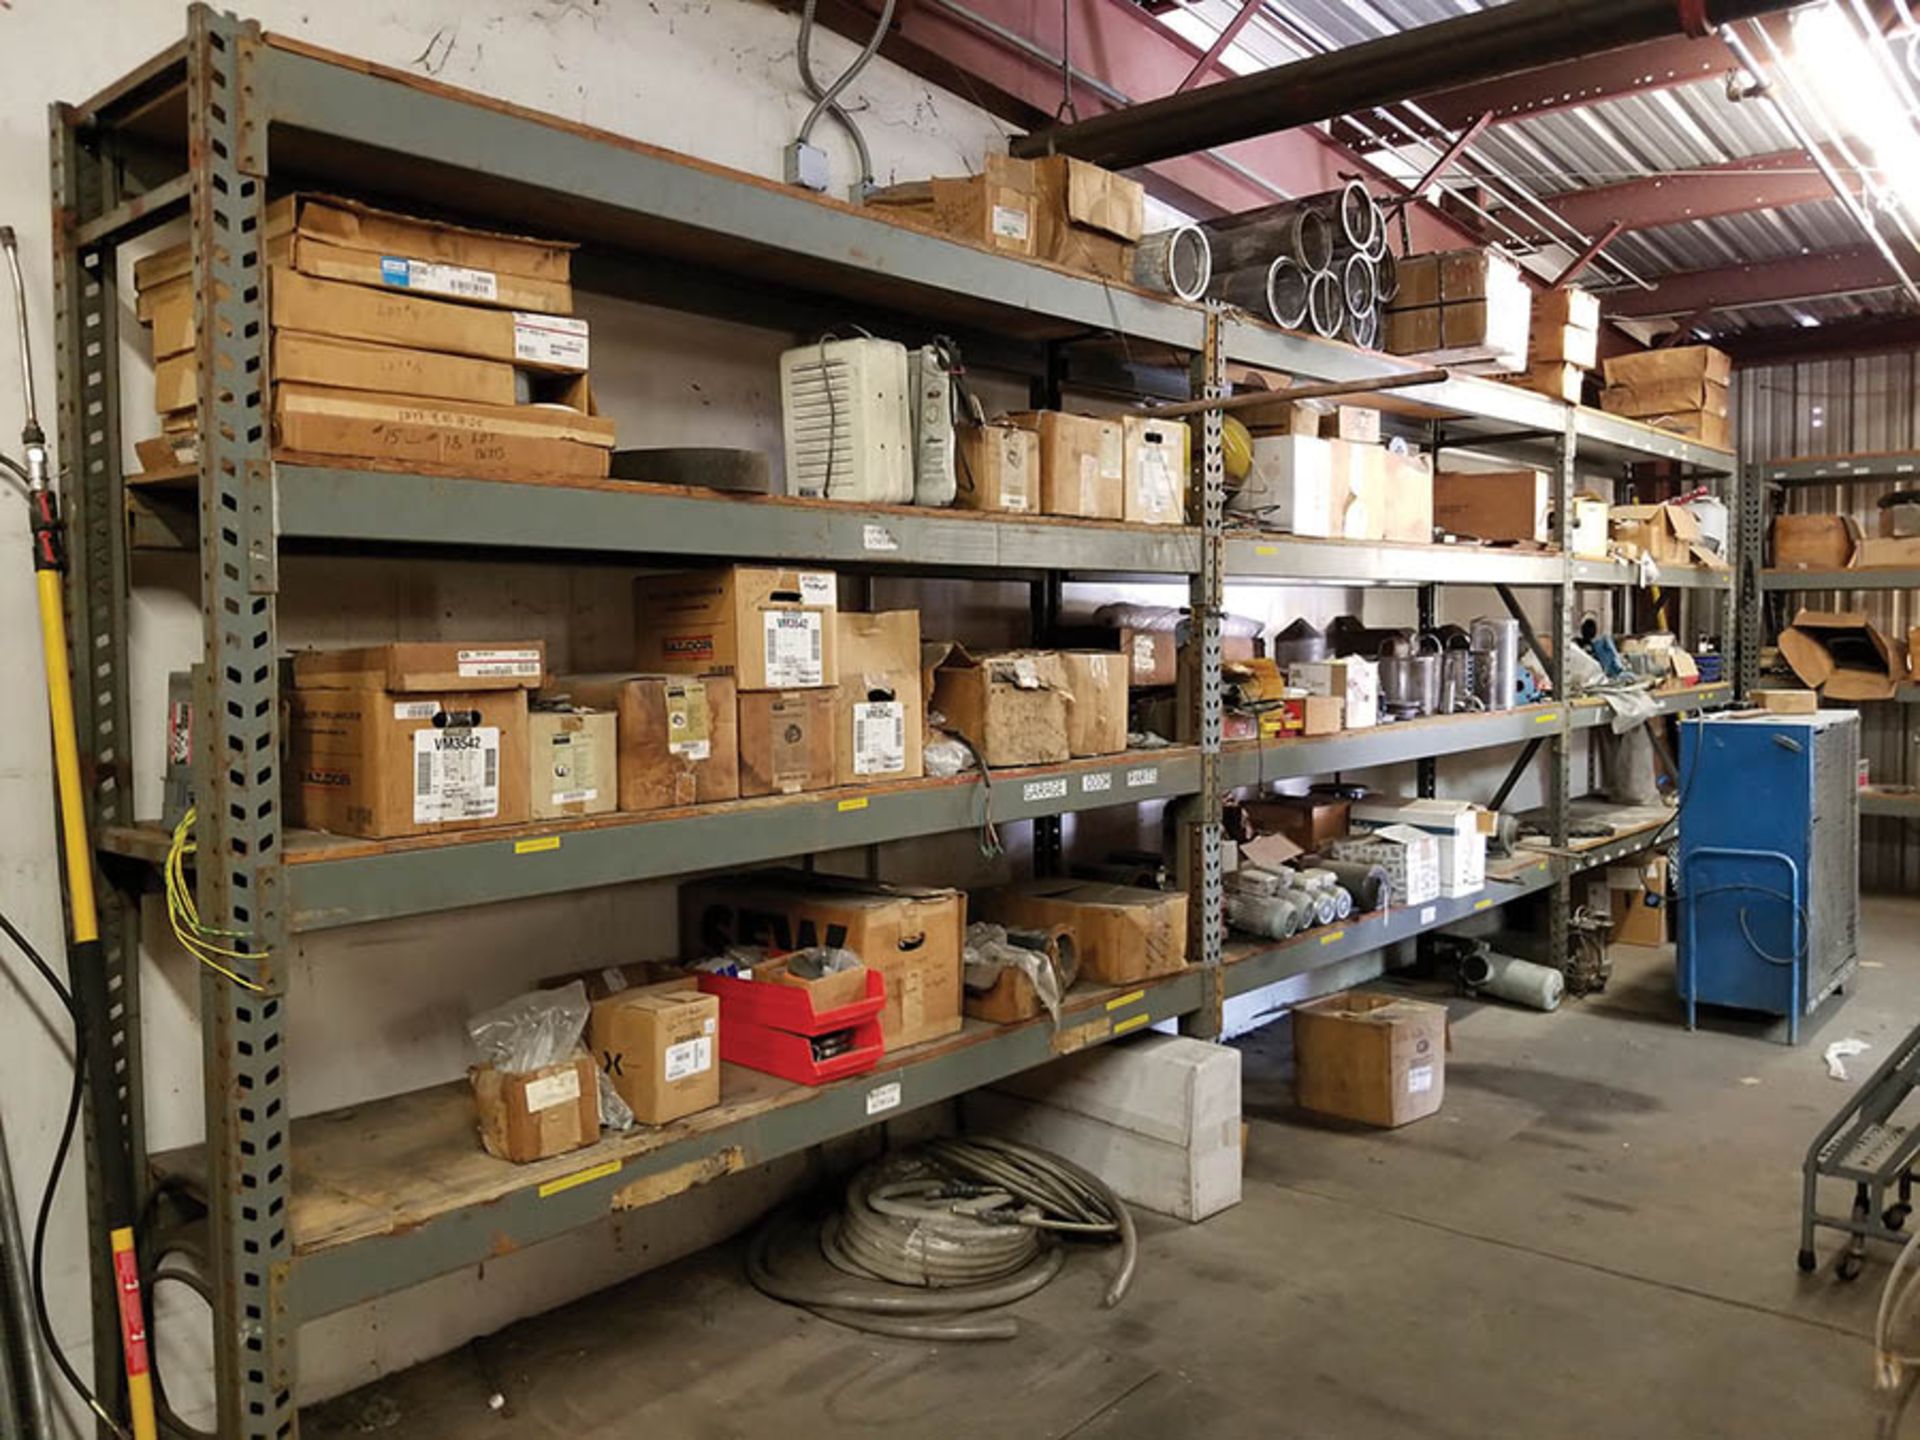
828	101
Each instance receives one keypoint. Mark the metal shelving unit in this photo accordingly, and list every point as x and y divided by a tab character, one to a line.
200	131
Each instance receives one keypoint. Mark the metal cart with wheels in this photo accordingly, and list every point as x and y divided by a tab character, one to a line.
1863	1146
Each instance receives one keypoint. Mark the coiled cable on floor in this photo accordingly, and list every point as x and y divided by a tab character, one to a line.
929	1237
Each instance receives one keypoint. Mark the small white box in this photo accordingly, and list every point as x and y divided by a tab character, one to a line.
1290	485
1354	681
1411	858
1587	530
1460	827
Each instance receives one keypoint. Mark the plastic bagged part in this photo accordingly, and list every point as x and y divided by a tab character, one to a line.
531	1031
818	961
615	1113
990	949
947	757
1126	615
1584	672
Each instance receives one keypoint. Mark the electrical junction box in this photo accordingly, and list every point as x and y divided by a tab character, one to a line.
1768	918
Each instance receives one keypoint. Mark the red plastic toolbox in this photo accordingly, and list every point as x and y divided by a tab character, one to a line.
787	1007
790	1056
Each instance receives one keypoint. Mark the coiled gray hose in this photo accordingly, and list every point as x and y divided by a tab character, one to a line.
931	1236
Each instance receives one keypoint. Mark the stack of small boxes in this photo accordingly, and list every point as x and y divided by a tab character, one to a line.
1133	468
1683	389
1564	347
1466	308
398	340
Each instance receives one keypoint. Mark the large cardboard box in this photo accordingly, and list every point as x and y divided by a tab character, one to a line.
660	1049
1880	551
880	708
1085	217
391	369
1568	305
1123	933
1310	821
1498	505
1353	681
1407	509
1419	277
787	741
678	738
912	935
1097	717
388	317
1377	1059
1650	399
574	757
1567	345
1555	379
1156	466
413	666
504	441
1413	332
994	208
384	764
1081	463
1011	706
769	628
1669	533
999	469
533	1114
1843	655
1635	922
1678	362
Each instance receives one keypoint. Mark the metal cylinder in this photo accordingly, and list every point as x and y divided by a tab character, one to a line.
1357	285
1365	329
1358	222
1386	275
1275	916
1496	660
1342	902
1177	262
1326	305
1508	978
1288	287
1367	885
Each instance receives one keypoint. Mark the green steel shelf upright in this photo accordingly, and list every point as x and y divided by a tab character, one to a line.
198	132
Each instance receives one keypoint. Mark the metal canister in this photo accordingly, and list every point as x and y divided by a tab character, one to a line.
1426	675
1496	661
1456	677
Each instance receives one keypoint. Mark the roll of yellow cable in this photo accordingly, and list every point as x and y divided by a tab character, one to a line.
1236	448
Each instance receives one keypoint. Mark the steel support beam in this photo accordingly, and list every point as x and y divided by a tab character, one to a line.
1586	257
1450	156
1222	43
1739	187
1871	334
1768	282
1632	70
1506	39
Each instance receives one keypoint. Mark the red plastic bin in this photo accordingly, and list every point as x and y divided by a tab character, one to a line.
790	1056
789	1007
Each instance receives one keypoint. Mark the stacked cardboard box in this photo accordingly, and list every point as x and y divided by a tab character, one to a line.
1466	308
396	339
1339	489
1683	389
1564	345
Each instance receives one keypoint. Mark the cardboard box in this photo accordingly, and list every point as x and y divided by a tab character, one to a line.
533	1114
502	441
769	628
381	764
880	710
661	1050
1564	345
1290	485
1413	332
1708	429
1589	529
1568	305
391	369
1635	922
1324	715
677	736
416	666
1352	422
787	741
912	935
389	317
1081	194
1553	378
1670	534
1377	1059
1499	505
1010	705
574	758
1156	466
1461	828
999	469
1886	551
1310	821
1789	702
1097	718
1150	657
1123	933
1649	399
995	208
1419	277
1290	417
1352	681
1081	463
1678	362
1411	858
1407	485
1843	655
1467	275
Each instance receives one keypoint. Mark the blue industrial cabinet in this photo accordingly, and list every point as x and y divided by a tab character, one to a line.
1769	889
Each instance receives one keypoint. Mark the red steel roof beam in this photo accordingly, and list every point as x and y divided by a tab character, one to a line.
1739	187
1772	282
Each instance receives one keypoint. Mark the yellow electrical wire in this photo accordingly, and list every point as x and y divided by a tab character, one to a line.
183	913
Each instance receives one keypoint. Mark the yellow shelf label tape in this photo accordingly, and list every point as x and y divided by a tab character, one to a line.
580	1177
1126	999
537	846
858	803
1132	1022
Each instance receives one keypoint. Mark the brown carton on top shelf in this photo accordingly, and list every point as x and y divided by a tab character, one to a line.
994	208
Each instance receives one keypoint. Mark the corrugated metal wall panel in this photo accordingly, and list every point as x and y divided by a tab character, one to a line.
1833	407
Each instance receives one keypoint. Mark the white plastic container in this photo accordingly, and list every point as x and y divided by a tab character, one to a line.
846	413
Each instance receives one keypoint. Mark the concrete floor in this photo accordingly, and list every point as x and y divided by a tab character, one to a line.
1596	1236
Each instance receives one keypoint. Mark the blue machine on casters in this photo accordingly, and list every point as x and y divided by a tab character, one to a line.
1769	861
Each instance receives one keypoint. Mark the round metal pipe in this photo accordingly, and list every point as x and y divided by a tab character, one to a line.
1297	229
1386	277
1176	262
1365	330
1326	305
1508	978
1357	285
1287	294
1359	217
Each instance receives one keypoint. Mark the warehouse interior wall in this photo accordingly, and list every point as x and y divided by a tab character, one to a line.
380	1009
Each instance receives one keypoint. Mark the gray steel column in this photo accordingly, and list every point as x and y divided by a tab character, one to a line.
1749	531
87	378
1566	604
237	784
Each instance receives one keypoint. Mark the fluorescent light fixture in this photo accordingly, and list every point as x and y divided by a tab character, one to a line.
1833	60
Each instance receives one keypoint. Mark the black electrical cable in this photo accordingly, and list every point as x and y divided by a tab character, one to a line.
43	1216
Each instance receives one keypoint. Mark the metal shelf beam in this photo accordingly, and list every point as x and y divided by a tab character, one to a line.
1892	577
1830	469
1297	560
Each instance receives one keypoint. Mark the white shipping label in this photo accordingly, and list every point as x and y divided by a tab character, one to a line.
689	1057
512	664
556	340
1154	490
883	1097
1427	914
819	587
1144	657
794	655
879	738
552	1090
460	281
1009	223
1419	1079
456	774
877	537
575	797
1089	482
1113	449
415	709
